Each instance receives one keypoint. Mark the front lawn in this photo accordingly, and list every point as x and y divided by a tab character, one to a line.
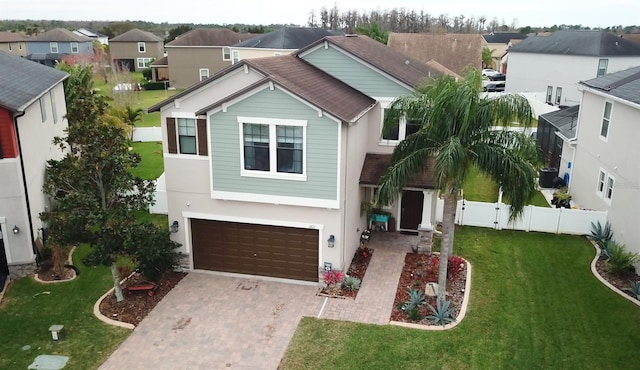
152	164
29	308
534	304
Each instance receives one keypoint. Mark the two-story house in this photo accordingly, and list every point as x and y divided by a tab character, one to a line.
14	43
282	41
32	110
52	46
498	43
199	54
605	174
553	65
267	163
136	49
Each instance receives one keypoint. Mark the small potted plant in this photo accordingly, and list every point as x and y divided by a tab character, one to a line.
561	198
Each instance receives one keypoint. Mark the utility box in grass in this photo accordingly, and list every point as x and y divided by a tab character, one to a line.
56	332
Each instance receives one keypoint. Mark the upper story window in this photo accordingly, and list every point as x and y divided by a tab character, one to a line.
549	94
273	148
43	110
54	110
143	62
187	135
74	47
403	128
602	67
226	54
558	95
54	47
236	56
204	74
606	184
606	121
142	48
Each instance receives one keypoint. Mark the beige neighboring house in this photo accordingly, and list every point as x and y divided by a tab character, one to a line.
199	54
453	50
32	113
499	43
135	50
13	43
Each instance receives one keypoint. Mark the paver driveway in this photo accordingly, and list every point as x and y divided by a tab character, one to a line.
218	322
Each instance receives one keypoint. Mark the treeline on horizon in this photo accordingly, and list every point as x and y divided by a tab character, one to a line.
390	20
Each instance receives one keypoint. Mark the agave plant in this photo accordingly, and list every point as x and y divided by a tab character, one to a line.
351	283
416	299
601	234
634	288
441	314
605	249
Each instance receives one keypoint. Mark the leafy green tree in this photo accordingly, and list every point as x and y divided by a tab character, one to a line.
456	133
487	57
374	32
177	31
130	116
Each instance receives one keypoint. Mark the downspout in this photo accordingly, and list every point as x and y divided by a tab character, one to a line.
344	198
24	181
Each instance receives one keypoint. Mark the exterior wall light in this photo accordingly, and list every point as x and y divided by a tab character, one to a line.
16	230
174	227
331	242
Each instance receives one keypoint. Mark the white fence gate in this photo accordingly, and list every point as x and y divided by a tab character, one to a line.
161	205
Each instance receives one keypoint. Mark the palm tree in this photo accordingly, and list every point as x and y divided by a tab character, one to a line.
487	57
130	116
456	132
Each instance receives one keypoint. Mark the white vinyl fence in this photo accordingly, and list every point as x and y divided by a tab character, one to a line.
146	134
550	220
161	205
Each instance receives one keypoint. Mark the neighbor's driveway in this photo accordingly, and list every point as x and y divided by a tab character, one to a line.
217	322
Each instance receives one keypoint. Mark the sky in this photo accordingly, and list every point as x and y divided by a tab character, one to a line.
525	13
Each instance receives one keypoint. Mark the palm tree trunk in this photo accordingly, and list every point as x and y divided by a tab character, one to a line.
116	282
446	247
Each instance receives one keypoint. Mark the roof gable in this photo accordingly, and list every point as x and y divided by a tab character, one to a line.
60	35
286	38
623	84
455	51
136	35
574	42
209	37
22	81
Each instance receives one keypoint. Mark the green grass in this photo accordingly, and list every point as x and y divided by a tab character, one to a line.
29	308
479	187
152	164
534	305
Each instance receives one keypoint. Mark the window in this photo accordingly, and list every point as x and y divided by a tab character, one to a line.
606	183
602	67
204	74
273	148
602	177
143	62
74	47
606	120
226	54
43	110
236	57
142	48
558	95
609	190
54	47
394	132
549	94
54	111
400	130
187	135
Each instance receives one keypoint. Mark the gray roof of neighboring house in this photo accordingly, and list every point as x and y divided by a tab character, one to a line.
565	120
23	81
400	66
136	35
209	37
60	35
162	62
291	38
623	84
574	42
503	37
12	37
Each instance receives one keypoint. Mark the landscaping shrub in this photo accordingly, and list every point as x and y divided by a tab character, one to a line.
620	261
151	85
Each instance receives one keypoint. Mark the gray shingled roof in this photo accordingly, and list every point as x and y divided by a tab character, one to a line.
60	35
23	81
209	37
291	38
624	84
12	37
503	37
136	35
565	120
573	42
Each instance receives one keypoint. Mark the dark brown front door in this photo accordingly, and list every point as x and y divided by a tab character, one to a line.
265	250
411	209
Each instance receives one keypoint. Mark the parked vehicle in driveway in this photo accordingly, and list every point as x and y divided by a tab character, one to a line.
494	87
497	77
488	72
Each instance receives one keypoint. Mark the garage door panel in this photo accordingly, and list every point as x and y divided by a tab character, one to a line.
255	249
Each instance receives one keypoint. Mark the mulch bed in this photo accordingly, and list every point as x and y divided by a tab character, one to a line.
619	281
417	272
137	304
358	268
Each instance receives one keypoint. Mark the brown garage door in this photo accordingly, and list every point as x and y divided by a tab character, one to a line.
276	251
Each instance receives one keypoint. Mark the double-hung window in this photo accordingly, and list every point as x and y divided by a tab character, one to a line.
142	48
187	135
602	67
53	46
400	130
606	183
558	95
236	56
273	148
549	94
74	47
226	54
204	74
606	121
54	111
143	62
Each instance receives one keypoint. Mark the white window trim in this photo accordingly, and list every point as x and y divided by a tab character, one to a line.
143	60
558	95
235	56
54	111
201	75
53	45
605	185
549	96
605	138
223	53
273	156
76	47
605	67
43	110
144	47
402	128
602	179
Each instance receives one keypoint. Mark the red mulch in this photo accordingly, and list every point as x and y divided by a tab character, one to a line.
137	304
417	272
357	269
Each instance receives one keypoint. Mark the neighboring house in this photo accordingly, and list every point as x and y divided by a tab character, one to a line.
135	49
13	43
553	65
103	39
268	162
199	54
499	43
160	69
556	135
51	47
455	51
606	172
32	111
282	41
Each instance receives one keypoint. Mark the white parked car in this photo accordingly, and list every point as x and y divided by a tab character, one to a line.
489	72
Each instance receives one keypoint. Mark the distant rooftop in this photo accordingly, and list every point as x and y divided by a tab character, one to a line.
286	38
573	42
209	37
60	35
137	35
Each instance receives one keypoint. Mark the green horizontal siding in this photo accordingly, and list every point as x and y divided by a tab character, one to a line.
322	148
354	73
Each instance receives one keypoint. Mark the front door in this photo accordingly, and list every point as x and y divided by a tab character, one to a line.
411	209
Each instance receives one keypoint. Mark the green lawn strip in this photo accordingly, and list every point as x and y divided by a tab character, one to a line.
152	164
480	188
27	312
534	304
